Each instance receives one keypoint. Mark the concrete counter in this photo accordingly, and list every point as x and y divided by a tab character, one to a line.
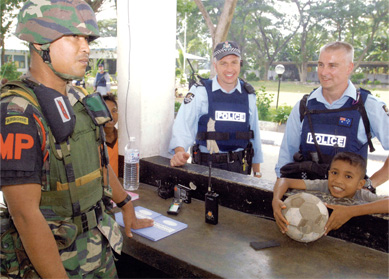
223	250
254	196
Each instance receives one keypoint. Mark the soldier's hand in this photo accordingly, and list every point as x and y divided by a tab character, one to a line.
142	223
130	220
179	159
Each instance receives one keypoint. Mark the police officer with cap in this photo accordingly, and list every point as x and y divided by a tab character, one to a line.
219	119
52	177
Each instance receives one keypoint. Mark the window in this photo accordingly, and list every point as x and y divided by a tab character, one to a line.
7	58
20	61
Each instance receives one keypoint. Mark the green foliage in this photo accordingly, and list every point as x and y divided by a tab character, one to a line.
357	77
177	106
252	77
206	75
263	104
10	71
282	114
108	27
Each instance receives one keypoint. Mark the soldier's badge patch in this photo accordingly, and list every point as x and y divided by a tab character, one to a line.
386	109
188	98
16	119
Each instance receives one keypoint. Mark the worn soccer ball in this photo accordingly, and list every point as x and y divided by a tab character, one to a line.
307	216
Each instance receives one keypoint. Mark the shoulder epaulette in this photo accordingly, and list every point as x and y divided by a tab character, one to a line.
248	87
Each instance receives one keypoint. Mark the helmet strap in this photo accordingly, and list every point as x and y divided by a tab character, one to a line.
45	54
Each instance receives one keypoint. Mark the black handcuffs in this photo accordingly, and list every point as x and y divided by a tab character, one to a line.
123	203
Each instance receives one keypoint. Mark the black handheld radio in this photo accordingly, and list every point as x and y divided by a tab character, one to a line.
211	202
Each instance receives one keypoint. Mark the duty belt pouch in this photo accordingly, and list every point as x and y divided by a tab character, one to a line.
196	154
305	170
14	260
97	109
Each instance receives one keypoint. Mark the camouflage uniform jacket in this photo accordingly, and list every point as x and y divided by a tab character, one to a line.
79	249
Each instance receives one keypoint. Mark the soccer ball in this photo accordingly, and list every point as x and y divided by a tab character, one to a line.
307	215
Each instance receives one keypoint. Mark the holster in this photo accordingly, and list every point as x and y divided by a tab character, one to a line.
196	154
248	156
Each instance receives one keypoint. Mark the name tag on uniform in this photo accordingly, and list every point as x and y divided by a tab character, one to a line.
328	140
230	116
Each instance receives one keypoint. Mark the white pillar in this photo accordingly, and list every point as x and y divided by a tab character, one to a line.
146	73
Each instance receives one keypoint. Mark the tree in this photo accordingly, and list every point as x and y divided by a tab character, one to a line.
96	4
8	12
376	15
310	17
108	27
271	41
218	32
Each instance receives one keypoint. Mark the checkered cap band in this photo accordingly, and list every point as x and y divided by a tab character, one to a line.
226	48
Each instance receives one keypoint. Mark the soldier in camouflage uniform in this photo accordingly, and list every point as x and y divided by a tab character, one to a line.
51	169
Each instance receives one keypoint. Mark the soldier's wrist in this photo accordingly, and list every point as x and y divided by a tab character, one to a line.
124	202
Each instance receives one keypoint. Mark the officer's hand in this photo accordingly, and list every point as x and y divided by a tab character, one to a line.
340	215
282	223
179	159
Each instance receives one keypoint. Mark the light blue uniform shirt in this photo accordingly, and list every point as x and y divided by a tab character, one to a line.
378	118
186	122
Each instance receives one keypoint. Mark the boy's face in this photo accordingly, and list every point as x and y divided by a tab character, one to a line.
344	179
114	112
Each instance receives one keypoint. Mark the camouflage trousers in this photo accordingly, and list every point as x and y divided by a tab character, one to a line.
88	255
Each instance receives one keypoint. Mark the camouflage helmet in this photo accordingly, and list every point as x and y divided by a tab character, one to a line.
44	21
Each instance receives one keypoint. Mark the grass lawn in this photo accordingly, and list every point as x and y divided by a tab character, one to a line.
291	91
285	86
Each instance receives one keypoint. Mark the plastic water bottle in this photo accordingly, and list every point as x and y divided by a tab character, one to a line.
131	166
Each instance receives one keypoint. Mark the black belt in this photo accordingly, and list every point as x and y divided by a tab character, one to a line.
224	136
89	220
229	157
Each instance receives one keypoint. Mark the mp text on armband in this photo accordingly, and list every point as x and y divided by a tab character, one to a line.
11	148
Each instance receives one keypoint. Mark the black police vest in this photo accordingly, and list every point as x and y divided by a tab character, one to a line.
101	80
335	130
231	113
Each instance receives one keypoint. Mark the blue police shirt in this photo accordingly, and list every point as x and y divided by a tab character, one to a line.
379	123
186	122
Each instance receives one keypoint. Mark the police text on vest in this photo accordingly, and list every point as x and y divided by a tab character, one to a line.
328	140
230	116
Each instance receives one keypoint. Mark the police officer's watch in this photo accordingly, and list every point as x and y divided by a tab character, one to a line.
258	173
368	186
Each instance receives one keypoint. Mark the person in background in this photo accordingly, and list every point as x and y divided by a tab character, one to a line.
220	118
338	117
102	83
111	133
52	178
345	180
